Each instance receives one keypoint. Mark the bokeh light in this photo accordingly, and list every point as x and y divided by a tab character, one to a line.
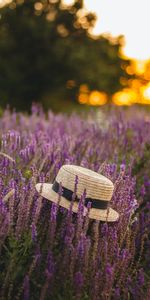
83	98
4	2
97	98
94	98
124	97
38	5
145	92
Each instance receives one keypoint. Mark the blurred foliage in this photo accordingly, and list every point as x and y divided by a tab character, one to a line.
46	49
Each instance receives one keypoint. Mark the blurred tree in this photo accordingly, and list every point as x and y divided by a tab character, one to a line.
46	48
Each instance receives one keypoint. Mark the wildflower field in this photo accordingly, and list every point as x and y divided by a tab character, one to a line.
48	252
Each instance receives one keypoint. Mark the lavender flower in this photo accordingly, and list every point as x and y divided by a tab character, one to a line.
78	278
26	288
34	232
73	256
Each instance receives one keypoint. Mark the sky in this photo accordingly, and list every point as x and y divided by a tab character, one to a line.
130	18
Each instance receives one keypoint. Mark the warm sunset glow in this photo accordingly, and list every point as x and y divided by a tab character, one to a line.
135	94
140	66
97	98
124	97
38	5
146	92
137	67
4	2
135	84
83	99
84	89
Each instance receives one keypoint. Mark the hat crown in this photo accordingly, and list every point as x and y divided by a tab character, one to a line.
97	186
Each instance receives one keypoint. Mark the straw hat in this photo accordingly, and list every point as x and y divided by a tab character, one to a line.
99	191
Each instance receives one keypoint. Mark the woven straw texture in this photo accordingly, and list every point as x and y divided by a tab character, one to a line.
97	187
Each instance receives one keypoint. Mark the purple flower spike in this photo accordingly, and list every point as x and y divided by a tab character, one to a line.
50	265
34	232
53	212
50	252
141	278
79	279
26	288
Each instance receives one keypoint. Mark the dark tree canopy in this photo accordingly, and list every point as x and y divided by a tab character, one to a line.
43	45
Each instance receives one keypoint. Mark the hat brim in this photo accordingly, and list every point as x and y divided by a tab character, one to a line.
46	191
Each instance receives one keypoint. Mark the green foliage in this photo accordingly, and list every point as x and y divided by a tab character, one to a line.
27	174
43	45
19	253
1	112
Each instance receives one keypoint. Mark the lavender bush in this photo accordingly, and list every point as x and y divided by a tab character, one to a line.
48	252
